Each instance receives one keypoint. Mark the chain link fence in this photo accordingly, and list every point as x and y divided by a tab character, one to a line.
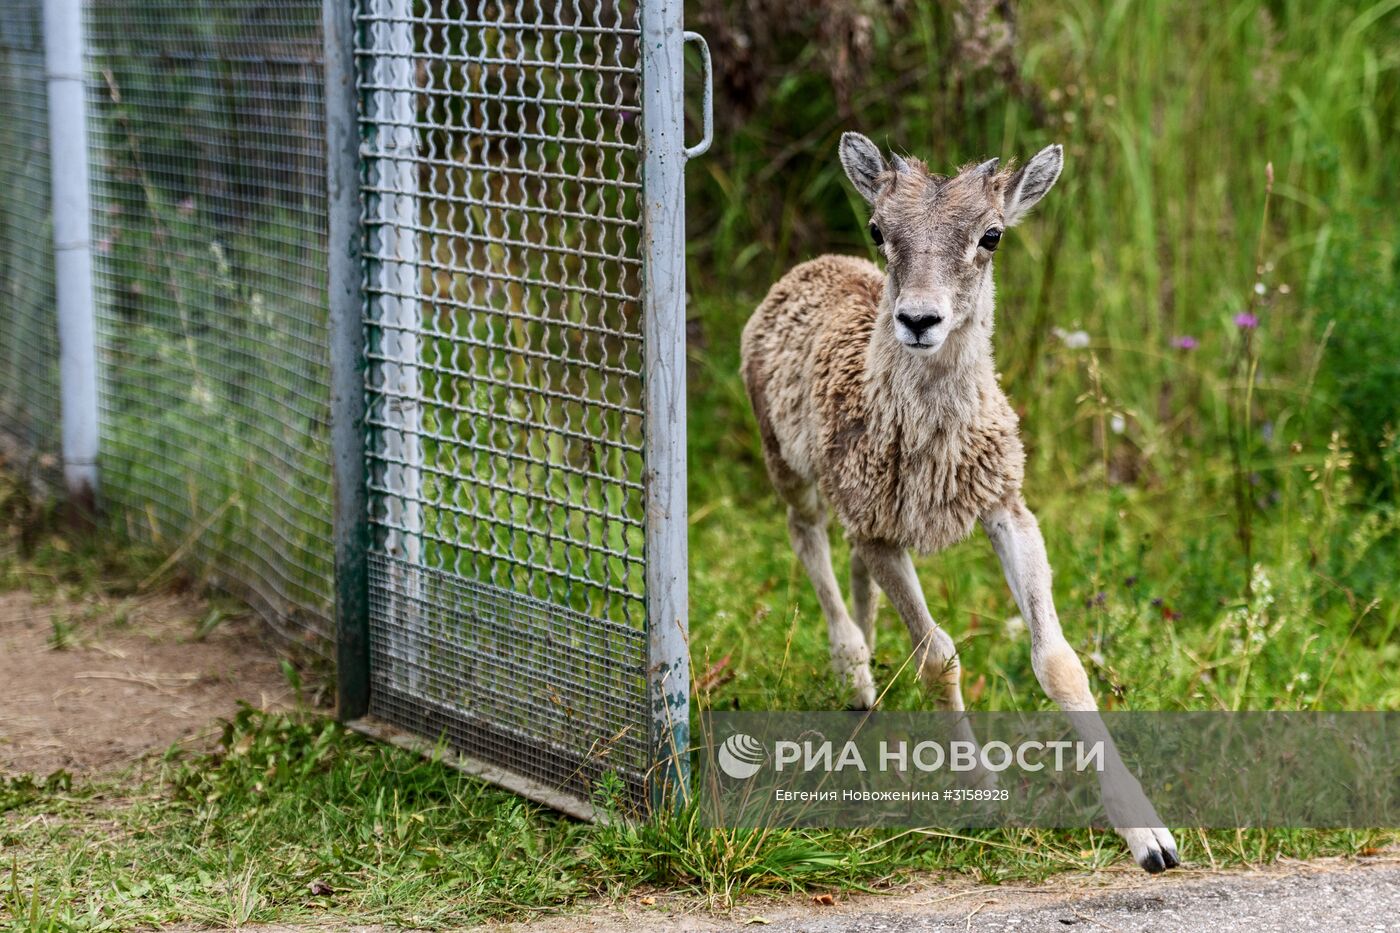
510	315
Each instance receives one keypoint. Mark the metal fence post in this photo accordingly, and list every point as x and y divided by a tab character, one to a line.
72	239
394	109
347	358
663	233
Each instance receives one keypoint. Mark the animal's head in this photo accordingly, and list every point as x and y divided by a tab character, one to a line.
938	233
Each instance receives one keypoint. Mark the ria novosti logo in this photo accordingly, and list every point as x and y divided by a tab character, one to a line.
741	755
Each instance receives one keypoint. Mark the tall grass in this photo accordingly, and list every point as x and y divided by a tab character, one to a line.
1169	114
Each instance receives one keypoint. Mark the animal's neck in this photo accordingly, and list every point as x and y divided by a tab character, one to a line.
921	397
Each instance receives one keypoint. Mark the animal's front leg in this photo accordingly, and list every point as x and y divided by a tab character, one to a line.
1017	540
935	655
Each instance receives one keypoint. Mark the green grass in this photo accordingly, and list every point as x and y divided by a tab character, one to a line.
1138	449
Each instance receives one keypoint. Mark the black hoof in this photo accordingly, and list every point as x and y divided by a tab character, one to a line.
1154	864
1170	857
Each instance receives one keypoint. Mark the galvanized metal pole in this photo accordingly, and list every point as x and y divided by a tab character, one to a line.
394	111
663	334
72	239
347	353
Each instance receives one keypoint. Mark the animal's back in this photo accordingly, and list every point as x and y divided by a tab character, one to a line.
830	298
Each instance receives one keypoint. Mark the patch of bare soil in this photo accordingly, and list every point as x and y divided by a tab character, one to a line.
99	693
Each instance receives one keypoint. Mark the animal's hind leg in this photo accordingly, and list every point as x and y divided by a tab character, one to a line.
850	653
864	599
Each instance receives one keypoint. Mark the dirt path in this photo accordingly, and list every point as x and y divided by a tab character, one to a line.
88	687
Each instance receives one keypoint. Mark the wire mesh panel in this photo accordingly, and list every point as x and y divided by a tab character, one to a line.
29	410
504	285
208	171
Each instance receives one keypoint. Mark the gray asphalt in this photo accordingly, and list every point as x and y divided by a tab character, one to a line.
1355	900
1333	896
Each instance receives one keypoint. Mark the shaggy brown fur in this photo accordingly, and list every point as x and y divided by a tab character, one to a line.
904	452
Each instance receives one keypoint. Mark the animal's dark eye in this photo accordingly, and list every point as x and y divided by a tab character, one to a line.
876	235
990	239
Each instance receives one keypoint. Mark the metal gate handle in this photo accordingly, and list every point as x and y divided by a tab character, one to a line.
703	145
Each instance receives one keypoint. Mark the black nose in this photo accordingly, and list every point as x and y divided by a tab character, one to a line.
917	325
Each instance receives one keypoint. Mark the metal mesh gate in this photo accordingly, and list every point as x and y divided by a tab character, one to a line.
512	288
29	414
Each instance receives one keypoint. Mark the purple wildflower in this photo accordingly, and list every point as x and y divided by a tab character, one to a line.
1185	342
1246	321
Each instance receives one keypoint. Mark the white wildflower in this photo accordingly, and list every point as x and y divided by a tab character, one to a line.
1263	586
1072	339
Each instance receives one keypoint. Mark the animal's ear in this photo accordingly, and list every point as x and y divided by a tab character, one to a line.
863	164
1032	181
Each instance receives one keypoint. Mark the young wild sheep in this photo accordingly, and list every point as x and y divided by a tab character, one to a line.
876	396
